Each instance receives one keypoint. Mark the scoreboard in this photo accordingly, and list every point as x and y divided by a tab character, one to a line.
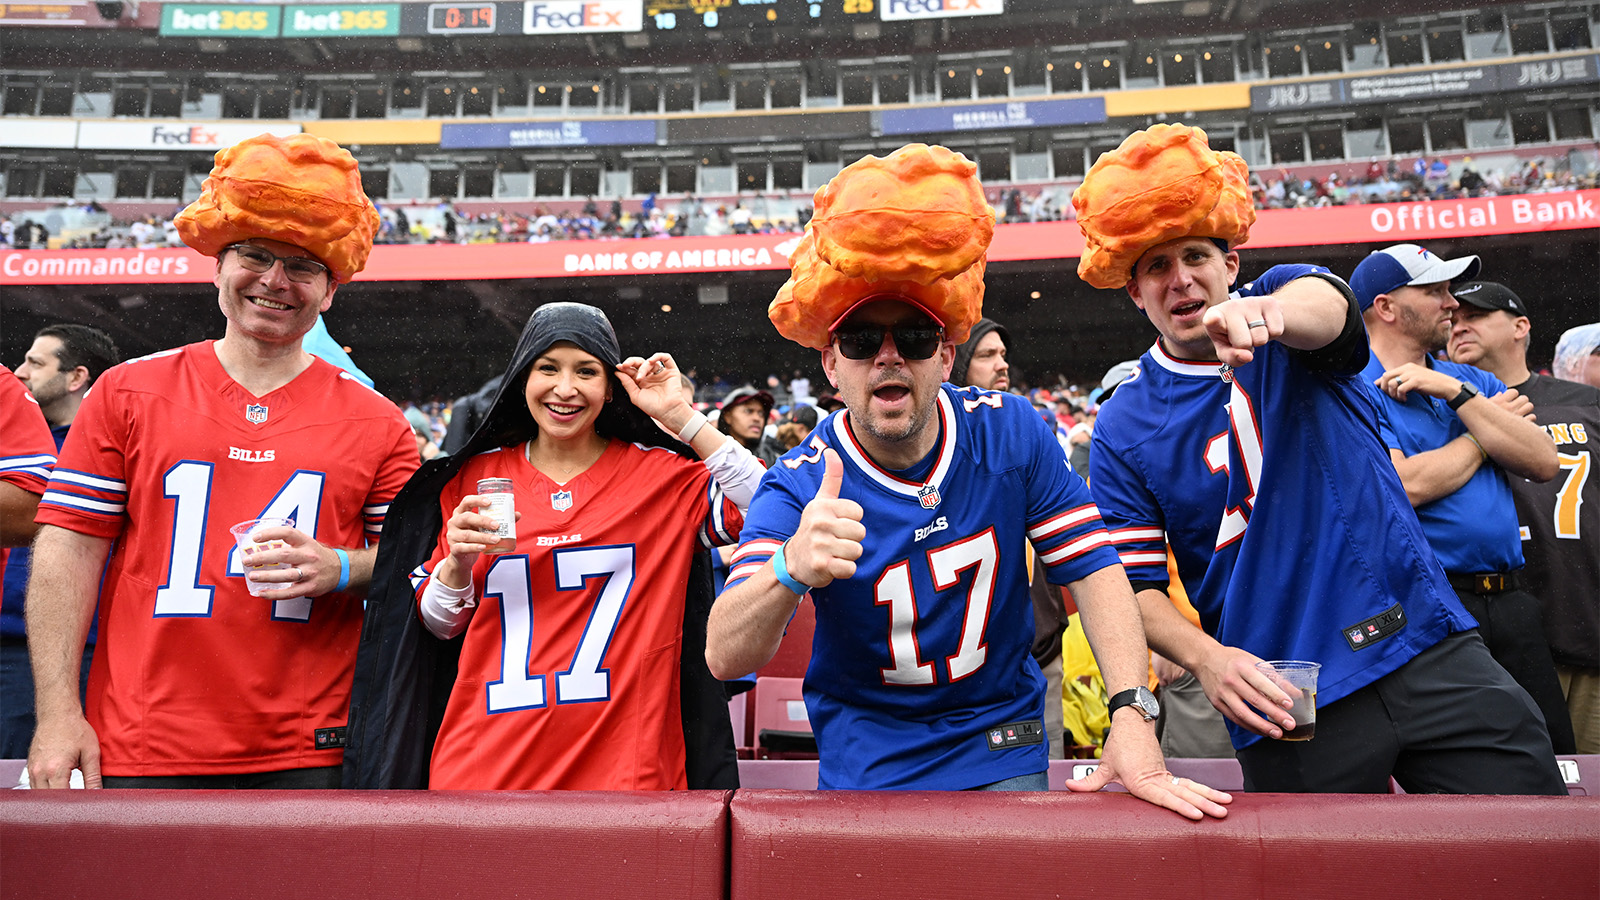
675	15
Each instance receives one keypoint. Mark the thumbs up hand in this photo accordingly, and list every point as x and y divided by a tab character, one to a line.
828	541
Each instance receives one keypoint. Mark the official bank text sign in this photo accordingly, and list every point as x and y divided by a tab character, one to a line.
576	16
910	10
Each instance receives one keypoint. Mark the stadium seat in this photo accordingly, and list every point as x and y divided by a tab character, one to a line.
782	728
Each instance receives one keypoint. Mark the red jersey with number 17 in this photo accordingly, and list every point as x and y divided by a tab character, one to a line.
568	677
192	675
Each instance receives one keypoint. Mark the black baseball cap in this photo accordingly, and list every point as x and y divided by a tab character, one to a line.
1491	295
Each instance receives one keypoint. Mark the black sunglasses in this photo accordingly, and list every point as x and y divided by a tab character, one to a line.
914	340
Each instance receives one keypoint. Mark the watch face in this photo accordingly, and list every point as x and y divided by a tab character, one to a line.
1147	703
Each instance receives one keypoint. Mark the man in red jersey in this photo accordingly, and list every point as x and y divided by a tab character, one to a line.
27	453
197	682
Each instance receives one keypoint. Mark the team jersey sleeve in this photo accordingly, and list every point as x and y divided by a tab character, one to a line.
1130	512
1346	354
774	512
723	520
88	491
400	460
1063	523
27	451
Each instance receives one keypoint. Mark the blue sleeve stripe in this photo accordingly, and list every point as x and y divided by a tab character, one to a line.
92	482
63	500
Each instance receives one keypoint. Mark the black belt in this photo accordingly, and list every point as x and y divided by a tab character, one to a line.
1484	582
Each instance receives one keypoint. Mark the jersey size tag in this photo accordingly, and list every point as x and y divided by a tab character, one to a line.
1369	631
1015	734
329	738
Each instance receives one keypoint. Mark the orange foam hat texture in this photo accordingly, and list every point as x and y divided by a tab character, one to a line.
1162	184
914	224
302	189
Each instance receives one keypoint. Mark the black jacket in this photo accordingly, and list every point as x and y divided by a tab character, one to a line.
404	674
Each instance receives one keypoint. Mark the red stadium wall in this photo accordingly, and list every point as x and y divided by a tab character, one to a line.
789	845
1375	223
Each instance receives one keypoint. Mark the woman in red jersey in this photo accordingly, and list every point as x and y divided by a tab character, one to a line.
571	644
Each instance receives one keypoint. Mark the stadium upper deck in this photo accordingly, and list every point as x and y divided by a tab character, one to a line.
1033	93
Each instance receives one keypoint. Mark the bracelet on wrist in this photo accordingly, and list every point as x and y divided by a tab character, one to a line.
344	569
780	570
697	421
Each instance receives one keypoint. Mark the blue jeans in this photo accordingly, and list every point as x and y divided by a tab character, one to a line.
1038	781
16	696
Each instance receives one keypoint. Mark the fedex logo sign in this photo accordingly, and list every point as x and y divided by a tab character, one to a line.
903	10
573	16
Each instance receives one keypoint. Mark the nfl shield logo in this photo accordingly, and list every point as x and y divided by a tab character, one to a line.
561	501
929	495
1356	636
256	413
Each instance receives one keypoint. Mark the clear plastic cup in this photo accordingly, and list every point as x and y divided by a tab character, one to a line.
1298	679
248	547
502	509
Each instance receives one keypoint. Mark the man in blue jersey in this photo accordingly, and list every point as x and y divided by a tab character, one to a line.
1454	431
1246	440
905	514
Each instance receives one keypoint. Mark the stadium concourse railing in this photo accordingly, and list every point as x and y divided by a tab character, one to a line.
1386	223
791	844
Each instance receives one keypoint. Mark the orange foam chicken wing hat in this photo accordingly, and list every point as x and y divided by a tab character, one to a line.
303	190
913	224
1162	184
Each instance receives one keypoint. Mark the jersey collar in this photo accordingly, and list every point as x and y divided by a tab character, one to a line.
888	480
1178	366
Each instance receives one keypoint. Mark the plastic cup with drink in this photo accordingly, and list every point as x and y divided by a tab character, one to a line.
1298	679
243	535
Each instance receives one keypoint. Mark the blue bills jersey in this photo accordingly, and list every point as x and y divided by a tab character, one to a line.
920	662
1290	528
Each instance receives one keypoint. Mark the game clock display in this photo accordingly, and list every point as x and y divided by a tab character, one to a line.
461	18
673	15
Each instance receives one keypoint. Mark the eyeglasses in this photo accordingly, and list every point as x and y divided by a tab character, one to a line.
914	340
303	269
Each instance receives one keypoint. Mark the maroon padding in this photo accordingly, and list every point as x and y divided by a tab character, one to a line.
891	845
347	844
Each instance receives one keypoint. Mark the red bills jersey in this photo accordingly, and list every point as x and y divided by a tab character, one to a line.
569	671
192	675
27	451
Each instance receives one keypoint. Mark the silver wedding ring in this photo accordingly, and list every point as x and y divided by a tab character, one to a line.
1175	780
1259	323
299	575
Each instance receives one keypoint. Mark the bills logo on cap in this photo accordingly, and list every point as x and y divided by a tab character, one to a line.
256	413
929	495
561	501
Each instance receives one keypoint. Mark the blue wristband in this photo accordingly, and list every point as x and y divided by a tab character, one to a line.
344	570
781	572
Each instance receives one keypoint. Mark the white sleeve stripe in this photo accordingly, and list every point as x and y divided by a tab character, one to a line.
1124	535
26	462
719	524
766	546
42	472
377	509
1143	559
1062	522
746	570
1076	548
72	501
91	481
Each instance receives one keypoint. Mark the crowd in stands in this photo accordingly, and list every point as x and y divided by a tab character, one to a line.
1384	181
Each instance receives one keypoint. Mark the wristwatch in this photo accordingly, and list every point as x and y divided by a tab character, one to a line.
1139	698
1468	391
